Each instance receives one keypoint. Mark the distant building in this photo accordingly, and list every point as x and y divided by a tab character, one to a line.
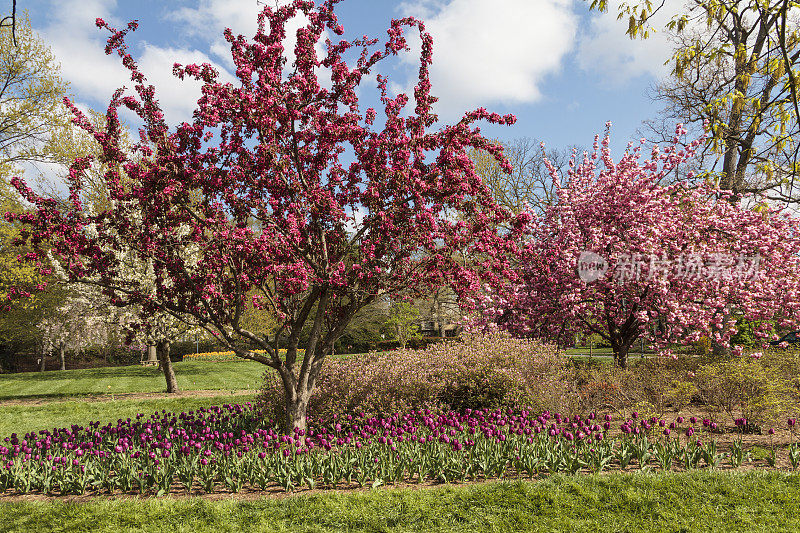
438	314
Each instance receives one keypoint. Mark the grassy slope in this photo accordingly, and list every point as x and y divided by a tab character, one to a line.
58	390
192	375
698	501
24	418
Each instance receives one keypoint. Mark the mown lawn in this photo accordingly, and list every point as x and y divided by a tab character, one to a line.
23	418
697	501
192	375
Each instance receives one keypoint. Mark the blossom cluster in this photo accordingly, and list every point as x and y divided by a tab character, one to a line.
687	260
285	186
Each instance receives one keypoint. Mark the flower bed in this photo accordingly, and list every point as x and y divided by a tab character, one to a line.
225	448
224	356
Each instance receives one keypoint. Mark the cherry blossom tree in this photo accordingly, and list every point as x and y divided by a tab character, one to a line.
283	194
623	257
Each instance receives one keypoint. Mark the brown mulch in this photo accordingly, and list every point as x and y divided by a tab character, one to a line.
247	493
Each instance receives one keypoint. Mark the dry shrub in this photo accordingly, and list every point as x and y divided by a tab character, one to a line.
660	384
759	389
478	371
594	386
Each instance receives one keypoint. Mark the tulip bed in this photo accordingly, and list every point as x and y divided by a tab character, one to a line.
226	356
227	449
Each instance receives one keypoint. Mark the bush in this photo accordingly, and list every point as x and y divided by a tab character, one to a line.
179	349
757	388
658	383
702	347
475	372
105	356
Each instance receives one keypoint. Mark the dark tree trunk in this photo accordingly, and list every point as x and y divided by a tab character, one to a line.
719	351
621	357
621	345
297	393
166	365
61	357
298	384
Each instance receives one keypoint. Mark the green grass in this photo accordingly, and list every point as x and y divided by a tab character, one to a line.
23	418
698	501
192	375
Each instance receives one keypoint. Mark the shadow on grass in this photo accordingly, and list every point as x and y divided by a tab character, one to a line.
67	395
92	382
132	371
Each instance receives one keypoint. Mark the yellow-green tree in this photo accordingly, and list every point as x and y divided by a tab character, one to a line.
735	65
20	317
403	322
31	94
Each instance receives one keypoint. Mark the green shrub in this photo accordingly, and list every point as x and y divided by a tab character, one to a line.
660	382
757	388
702	347
473	372
785	361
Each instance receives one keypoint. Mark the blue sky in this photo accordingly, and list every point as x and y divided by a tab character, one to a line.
562	70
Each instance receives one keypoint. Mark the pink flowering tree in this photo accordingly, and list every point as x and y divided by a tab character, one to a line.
283	193
625	257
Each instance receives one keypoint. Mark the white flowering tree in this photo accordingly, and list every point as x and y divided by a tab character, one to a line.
81	320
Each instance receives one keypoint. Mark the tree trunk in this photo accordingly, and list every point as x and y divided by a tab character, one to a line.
166	366
621	345
42	362
296	410
61	357
719	351
621	357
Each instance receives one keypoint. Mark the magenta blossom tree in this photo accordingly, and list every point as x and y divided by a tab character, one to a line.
282	194
623	256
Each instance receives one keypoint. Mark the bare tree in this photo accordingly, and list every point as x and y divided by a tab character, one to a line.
529	186
734	66
11	21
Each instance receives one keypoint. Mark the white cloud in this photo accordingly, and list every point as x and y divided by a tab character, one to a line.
210	18
607	50
238	15
178	98
490	52
78	45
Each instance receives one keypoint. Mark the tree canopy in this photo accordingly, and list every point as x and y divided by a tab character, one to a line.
622	256
284	193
